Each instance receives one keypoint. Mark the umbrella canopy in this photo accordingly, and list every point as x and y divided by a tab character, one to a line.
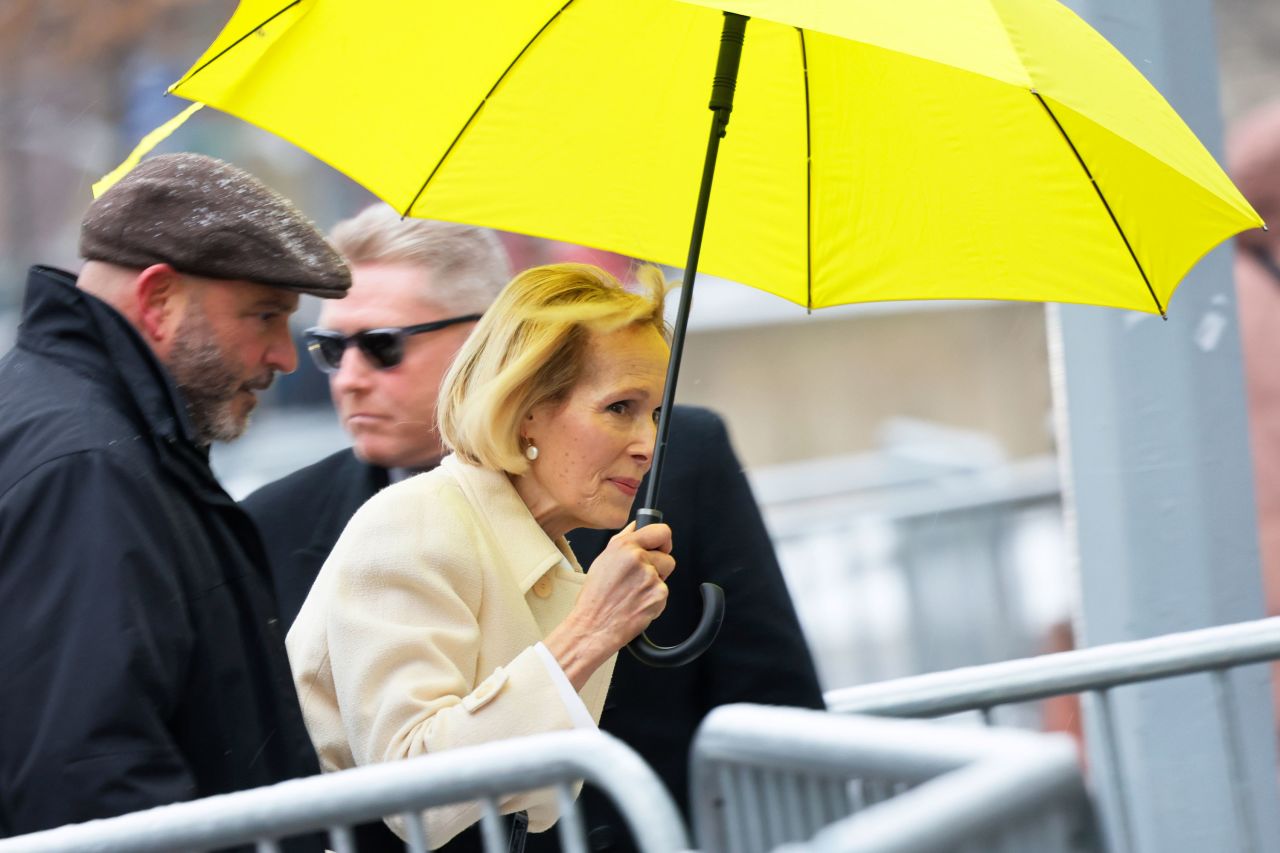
924	149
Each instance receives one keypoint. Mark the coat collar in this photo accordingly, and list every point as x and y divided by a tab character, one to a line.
64	322
527	551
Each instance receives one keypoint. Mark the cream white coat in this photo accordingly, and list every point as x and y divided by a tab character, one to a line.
419	633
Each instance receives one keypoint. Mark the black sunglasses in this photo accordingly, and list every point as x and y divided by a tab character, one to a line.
383	347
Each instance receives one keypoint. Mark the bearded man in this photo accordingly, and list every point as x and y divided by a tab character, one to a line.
140	652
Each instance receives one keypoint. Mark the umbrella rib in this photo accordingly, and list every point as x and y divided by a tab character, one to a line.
224	51
483	101
808	179
1105	204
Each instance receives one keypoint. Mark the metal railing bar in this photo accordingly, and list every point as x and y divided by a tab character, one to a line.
808	818
1225	699
843	745
367	793
749	789
875	791
814	806
970	802
342	839
776	821
731	815
1118	815
835	800
417	840
992	789
267	845
1028	679
857	795
491	827
573	836
787	794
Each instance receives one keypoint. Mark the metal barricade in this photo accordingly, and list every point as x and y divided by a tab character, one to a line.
876	550
765	777
338	801
1093	672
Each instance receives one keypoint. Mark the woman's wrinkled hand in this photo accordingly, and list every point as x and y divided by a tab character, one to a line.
625	590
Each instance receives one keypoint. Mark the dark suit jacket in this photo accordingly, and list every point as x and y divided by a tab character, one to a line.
719	536
300	517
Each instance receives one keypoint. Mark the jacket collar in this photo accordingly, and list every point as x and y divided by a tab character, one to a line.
64	323
526	550
61	321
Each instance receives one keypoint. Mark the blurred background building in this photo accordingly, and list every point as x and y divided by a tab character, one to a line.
904	454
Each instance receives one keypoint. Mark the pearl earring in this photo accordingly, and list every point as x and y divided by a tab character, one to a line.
531	452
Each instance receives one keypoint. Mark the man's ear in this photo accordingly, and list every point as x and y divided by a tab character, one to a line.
160	298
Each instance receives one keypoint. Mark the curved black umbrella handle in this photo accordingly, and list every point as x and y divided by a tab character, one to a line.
650	653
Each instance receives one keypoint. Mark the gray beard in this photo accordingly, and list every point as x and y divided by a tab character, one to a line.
207	384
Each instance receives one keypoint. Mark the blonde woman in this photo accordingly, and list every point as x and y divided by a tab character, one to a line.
452	611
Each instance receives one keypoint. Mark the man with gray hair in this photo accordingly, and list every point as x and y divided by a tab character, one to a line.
139	649
418	286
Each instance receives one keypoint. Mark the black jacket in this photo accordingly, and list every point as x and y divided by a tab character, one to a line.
140	658
719	536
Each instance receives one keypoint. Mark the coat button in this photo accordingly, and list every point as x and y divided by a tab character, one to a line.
542	586
485	691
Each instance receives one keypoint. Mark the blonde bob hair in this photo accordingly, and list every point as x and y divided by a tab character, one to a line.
529	349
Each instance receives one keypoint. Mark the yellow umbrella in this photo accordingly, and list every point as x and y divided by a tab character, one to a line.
922	149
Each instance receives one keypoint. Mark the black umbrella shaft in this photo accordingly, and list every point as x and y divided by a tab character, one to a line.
722	89
644	649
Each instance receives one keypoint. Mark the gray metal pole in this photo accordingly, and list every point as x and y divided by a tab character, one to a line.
1159	491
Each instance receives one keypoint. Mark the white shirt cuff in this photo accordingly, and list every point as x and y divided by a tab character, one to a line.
573	703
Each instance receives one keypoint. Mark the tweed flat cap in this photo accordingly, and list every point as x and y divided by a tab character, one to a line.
207	218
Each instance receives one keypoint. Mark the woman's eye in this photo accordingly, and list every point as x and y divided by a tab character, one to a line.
619	408
657	413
